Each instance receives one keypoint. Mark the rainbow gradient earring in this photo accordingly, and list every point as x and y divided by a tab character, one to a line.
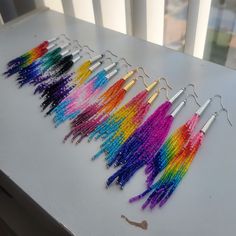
138	136
96	113
74	103
35	70
89	89
29	57
119	126
175	143
60	68
141	153
176	169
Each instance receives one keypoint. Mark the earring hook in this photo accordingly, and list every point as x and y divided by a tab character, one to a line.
195	98
114	55
141	68
143	80
193	86
167	84
167	94
108	58
88	54
65	36
227	115
77	43
220	97
122	58
86	46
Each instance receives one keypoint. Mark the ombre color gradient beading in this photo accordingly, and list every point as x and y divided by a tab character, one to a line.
174	144
172	176
120	125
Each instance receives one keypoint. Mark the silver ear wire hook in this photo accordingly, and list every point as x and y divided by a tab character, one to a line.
213	117
227	115
87	54
220	97
167	84
77	43
194	97
86	46
193	86
65	36
123	59
222	107
114	55
108	58
167	94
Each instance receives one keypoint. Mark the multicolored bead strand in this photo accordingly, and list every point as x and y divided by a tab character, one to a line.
143	152
120	125
81	97
172	176
86	122
27	58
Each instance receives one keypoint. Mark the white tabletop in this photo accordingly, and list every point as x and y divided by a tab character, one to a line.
62	179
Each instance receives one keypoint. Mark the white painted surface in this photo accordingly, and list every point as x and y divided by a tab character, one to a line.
63	180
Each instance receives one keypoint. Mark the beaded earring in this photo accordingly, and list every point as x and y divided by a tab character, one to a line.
175	143
35	70
87	90
26	59
78	100
96	113
29	57
60	68
137	136
119	126
86	69
142	152
176	169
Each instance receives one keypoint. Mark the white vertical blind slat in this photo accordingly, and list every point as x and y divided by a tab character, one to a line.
197	25
114	15
97	12
1	20
155	12
68	7
139	19
84	10
128	15
54	5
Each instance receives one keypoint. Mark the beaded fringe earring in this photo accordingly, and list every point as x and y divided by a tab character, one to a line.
35	70
55	72
137	136
119	126
174	144
96	84
176	169
29	57
80	98
143	152
100	111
